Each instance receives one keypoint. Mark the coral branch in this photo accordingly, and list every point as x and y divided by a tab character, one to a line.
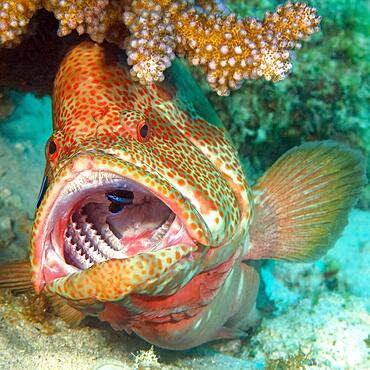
229	49
94	17
14	18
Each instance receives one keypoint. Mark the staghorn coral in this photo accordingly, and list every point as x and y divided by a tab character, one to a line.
100	19
228	48
326	98
14	18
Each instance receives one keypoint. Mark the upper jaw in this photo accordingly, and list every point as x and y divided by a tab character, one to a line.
51	244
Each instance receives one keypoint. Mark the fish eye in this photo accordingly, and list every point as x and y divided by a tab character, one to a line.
143	132
51	149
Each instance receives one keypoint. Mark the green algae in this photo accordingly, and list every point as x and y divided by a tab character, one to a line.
367	341
296	361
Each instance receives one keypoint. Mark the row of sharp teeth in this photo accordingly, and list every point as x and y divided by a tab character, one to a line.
87	244
161	231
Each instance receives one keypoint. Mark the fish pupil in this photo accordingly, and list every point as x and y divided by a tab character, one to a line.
144	131
52	147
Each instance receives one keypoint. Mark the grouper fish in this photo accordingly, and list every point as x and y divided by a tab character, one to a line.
145	218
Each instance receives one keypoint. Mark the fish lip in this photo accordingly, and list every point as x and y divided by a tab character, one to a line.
82	166
189	261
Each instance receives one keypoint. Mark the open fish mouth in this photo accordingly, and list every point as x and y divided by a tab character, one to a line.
118	221
99	216
102	219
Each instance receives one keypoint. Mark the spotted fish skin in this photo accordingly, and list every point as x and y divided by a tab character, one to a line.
97	107
174	146
187	161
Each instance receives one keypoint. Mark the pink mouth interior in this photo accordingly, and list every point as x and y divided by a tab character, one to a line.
100	216
117	224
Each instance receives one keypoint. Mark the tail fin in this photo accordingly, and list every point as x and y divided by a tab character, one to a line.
16	276
302	202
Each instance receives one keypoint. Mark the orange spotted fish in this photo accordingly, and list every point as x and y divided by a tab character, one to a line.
145	218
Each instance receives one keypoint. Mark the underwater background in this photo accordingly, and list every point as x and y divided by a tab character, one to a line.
316	316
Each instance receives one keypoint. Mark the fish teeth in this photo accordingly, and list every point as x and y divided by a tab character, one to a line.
94	254
89	242
82	249
105	249
112	240
161	232
109	252
76	255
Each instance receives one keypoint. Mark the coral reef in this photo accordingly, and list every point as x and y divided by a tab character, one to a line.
15	225
325	98
22	136
147	360
295	361
228	48
14	18
100	19
331	334
32	308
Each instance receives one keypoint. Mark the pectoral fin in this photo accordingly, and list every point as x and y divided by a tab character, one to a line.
302	202
70	315
16	276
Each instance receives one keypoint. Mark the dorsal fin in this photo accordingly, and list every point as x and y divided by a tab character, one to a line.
303	200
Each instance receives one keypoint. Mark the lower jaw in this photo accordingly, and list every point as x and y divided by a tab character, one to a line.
155	273
61	262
